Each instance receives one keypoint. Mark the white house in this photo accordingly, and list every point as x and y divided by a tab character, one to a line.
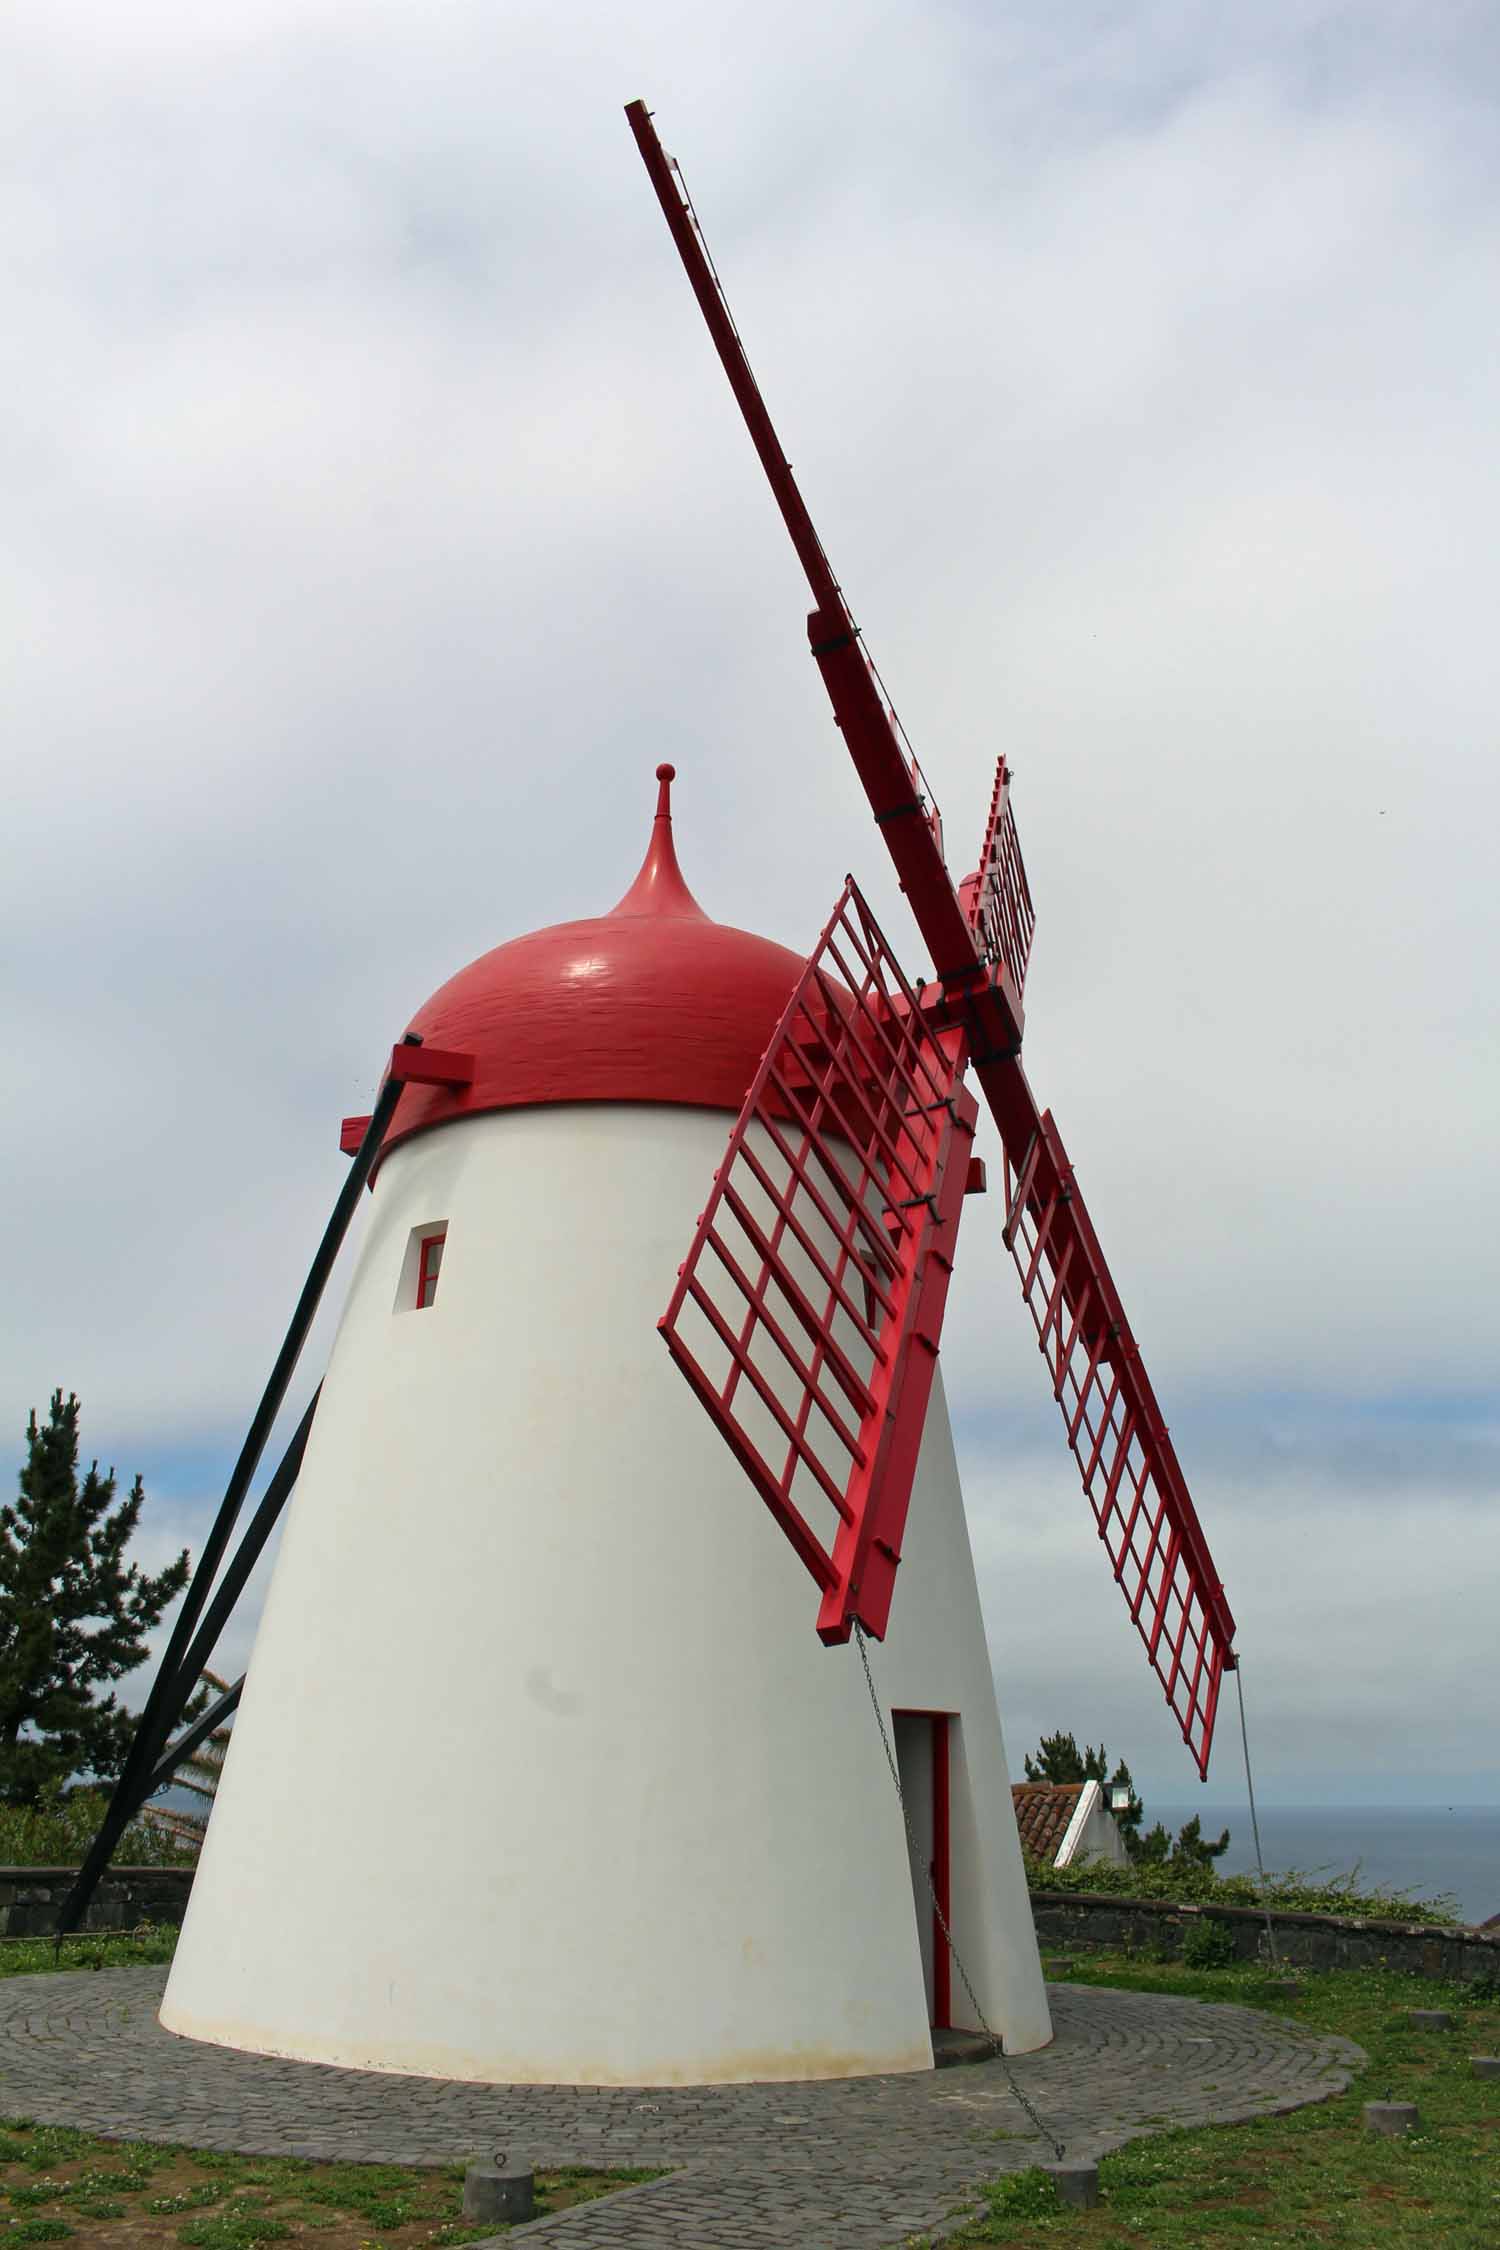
1064	1823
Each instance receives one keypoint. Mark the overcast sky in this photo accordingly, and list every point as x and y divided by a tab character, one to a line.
375	518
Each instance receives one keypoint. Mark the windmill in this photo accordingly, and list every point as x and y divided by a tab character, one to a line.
646	1832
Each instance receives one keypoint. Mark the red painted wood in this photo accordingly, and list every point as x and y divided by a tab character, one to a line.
429	1266
682	221
841	1281
1131	1477
900	796
430	1066
997	899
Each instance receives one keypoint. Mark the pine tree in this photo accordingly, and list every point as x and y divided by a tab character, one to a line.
1192	1848
1059	1760
1154	1847
73	1615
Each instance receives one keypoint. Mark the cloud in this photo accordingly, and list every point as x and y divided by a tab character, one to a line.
1361	1627
376	519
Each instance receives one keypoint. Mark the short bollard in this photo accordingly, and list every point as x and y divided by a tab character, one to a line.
1077	2184
1429	2019
502	2190
1391	2118
1485	2066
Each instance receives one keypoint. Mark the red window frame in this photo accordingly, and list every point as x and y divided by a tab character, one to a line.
429	1265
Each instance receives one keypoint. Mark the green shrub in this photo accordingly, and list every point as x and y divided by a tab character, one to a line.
1209	1945
59	1832
1297	1891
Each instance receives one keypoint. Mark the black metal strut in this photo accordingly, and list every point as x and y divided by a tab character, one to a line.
163	1762
200	1730
188	1648
245	1558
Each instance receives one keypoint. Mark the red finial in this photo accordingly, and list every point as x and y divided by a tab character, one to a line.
659	887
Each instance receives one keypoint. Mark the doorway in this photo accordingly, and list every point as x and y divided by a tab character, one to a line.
922	1755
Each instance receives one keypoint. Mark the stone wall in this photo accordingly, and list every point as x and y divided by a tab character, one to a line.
1083	1919
32	1897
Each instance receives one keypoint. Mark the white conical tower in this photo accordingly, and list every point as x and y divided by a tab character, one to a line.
540	1772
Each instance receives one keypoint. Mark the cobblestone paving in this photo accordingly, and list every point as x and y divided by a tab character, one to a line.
845	2164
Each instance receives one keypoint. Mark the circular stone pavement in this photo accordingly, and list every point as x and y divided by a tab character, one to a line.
827	2165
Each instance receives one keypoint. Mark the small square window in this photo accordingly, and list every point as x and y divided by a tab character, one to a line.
429	1265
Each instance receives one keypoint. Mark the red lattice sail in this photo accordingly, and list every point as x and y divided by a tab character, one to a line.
1140	1500
998	899
808	1311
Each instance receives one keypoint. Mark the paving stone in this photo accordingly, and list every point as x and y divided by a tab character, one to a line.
838	2164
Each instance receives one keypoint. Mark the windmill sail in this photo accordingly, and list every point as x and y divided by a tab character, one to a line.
998	898
978	941
1140	1501
808	1311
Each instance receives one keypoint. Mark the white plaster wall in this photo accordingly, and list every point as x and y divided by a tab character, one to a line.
541	1772
934	1657
1092	1832
1101	1838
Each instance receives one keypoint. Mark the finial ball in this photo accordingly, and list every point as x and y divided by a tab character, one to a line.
666	773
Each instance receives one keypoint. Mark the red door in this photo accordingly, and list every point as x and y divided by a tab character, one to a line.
922	1758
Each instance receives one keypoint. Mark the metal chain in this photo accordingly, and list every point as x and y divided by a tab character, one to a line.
918	1860
1254	1823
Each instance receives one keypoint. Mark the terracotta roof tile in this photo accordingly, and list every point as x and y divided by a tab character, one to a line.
1043	1811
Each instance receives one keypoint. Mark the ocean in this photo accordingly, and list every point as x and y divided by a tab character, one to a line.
1425	1850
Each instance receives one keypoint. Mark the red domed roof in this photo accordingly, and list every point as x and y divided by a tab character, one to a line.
652	1002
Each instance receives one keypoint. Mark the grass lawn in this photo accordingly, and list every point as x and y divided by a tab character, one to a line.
62	2186
57	2185
1316	2176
